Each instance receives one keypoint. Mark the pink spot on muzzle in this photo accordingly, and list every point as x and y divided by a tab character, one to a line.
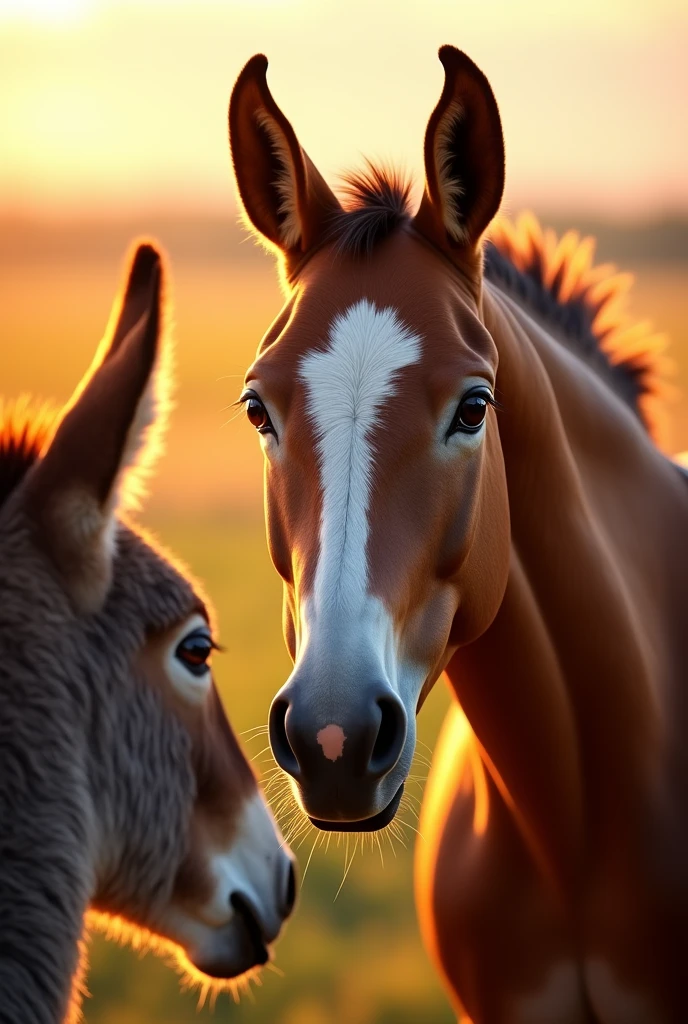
331	740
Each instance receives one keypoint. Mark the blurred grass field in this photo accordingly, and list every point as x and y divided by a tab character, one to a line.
357	959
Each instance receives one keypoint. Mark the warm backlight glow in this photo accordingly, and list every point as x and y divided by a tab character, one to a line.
117	929
457	757
43	10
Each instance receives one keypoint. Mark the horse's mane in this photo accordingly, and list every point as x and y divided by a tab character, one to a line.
558	280
555	278
25	426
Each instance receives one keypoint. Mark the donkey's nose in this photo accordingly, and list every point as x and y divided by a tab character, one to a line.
362	742
263	915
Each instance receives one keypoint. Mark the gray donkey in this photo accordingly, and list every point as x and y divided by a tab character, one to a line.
123	789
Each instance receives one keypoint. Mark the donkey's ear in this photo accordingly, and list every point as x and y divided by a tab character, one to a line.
464	159
106	437
285	197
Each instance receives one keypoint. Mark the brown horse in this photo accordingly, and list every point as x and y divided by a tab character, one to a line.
461	476
122	786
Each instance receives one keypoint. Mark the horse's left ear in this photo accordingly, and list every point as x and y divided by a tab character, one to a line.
284	195
464	159
107	436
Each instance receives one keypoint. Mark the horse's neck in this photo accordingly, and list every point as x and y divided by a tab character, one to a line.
568	695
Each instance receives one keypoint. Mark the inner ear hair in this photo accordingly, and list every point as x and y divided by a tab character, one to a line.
450	171
285	200
464	159
282	181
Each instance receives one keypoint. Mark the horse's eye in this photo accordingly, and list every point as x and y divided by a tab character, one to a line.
471	412
194	650
258	415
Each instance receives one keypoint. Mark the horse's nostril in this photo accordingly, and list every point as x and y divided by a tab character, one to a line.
390	738
279	741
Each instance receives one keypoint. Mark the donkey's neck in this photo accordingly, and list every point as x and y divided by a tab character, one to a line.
41	950
563	691
45	887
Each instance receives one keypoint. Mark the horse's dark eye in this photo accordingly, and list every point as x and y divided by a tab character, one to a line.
193	652
258	415
471	412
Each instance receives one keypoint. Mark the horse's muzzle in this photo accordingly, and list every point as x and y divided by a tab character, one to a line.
342	754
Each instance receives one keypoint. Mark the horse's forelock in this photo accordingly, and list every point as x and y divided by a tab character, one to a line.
377	202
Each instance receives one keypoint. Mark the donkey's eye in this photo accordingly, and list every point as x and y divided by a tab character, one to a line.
187	657
194	651
256	413
470	415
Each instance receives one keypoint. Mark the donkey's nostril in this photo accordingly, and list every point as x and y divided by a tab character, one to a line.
279	741
391	736
255	933
290	891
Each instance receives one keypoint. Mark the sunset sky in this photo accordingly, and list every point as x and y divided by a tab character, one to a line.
110	107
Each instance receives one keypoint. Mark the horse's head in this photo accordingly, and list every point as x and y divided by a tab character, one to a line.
372	393
138	783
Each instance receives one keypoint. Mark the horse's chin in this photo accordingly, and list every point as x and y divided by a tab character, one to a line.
371	824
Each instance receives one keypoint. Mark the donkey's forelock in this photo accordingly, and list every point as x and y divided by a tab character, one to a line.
25	428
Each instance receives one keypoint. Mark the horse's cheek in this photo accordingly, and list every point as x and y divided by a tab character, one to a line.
482	580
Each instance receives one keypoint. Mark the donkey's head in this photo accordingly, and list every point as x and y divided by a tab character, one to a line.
372	393
138	782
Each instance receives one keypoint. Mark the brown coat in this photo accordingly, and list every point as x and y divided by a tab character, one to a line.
461	476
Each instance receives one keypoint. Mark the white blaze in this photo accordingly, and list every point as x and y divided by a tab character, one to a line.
348	384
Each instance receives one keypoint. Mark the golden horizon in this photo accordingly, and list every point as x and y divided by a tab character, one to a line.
117	106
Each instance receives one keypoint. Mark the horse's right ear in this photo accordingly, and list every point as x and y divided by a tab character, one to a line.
106	437
283	194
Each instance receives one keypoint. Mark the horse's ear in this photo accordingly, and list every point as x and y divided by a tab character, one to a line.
464	159
106	438
285	197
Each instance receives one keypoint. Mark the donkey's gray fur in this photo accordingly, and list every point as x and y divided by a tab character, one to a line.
100	772
96	781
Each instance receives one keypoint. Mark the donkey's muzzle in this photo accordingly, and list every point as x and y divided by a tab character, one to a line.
339	756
